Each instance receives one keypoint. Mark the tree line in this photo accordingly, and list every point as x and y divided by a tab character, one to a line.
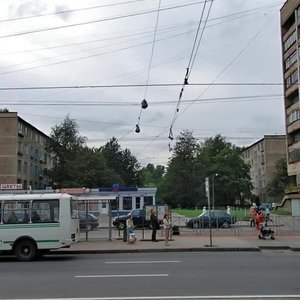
180	184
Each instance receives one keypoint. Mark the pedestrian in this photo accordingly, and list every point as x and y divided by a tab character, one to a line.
129	227
167	226
252	214
259	223
154	224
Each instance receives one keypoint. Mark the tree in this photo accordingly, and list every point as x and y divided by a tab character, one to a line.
181	185
4	110
121	162
152	176
66	145
222	160
279	181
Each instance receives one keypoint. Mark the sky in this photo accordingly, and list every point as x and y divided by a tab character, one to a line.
95	61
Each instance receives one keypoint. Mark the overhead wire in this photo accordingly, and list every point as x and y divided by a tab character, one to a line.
213	83
69	11
73	102
193	55
89	56
100	20
144	103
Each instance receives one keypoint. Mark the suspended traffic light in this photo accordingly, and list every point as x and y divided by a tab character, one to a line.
137	128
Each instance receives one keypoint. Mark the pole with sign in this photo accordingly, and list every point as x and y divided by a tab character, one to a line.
207	191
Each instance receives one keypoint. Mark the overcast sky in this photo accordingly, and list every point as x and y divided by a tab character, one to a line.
124	42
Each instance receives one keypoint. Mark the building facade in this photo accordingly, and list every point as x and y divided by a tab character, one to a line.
262	157
22	153
290	34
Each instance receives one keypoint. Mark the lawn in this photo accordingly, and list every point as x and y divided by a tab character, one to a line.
240	213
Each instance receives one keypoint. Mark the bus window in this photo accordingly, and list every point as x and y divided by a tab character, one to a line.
74	208
45	211
16	212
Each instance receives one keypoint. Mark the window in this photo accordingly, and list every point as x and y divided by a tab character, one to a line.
74	209
45	211
148	200
16	212
292	79
127	203
290	41
291	60
19	165
292	117
138	202
294	156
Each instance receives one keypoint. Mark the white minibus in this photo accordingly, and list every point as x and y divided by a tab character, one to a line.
33	224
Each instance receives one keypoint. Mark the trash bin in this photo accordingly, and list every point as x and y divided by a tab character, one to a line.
175	230
124	235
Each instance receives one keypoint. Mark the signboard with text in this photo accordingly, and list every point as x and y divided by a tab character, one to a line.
11	186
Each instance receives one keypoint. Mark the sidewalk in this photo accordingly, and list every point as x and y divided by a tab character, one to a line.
203	242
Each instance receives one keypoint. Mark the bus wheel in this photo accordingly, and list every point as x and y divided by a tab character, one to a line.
25	250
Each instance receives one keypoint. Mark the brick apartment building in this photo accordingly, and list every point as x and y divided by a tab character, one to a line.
290	34
22	153
262	157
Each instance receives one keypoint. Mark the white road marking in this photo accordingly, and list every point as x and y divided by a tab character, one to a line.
121	275
143	262
173	297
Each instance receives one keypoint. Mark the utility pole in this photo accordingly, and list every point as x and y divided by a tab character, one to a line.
207	190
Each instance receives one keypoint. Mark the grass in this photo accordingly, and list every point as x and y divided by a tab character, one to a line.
242	214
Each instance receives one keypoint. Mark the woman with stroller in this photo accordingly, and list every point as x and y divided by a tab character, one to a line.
263	227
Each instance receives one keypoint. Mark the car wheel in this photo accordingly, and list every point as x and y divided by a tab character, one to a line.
25	250
89	227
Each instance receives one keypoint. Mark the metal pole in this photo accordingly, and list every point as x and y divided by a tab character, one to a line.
208	205
213	191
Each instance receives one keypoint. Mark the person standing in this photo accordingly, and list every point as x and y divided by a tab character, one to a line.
252	214
167	226
129	227
154	224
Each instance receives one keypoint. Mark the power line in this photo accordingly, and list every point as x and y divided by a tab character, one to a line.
142	85
68	11
190	64
100	20
73	102
144	103
93	55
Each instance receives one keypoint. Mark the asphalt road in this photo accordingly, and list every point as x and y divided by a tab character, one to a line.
153	275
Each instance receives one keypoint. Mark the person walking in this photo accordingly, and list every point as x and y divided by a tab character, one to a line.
154	224
167	226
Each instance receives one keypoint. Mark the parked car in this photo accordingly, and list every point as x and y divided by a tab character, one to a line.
218	219
92	221
138	217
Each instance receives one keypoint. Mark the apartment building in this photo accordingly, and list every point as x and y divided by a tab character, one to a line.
262	157
22	153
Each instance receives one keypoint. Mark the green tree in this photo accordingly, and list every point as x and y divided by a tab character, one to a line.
222	163
66	145
279	181
152	176
122	162
181	185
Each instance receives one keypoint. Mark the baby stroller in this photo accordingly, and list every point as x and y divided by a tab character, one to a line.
266	231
